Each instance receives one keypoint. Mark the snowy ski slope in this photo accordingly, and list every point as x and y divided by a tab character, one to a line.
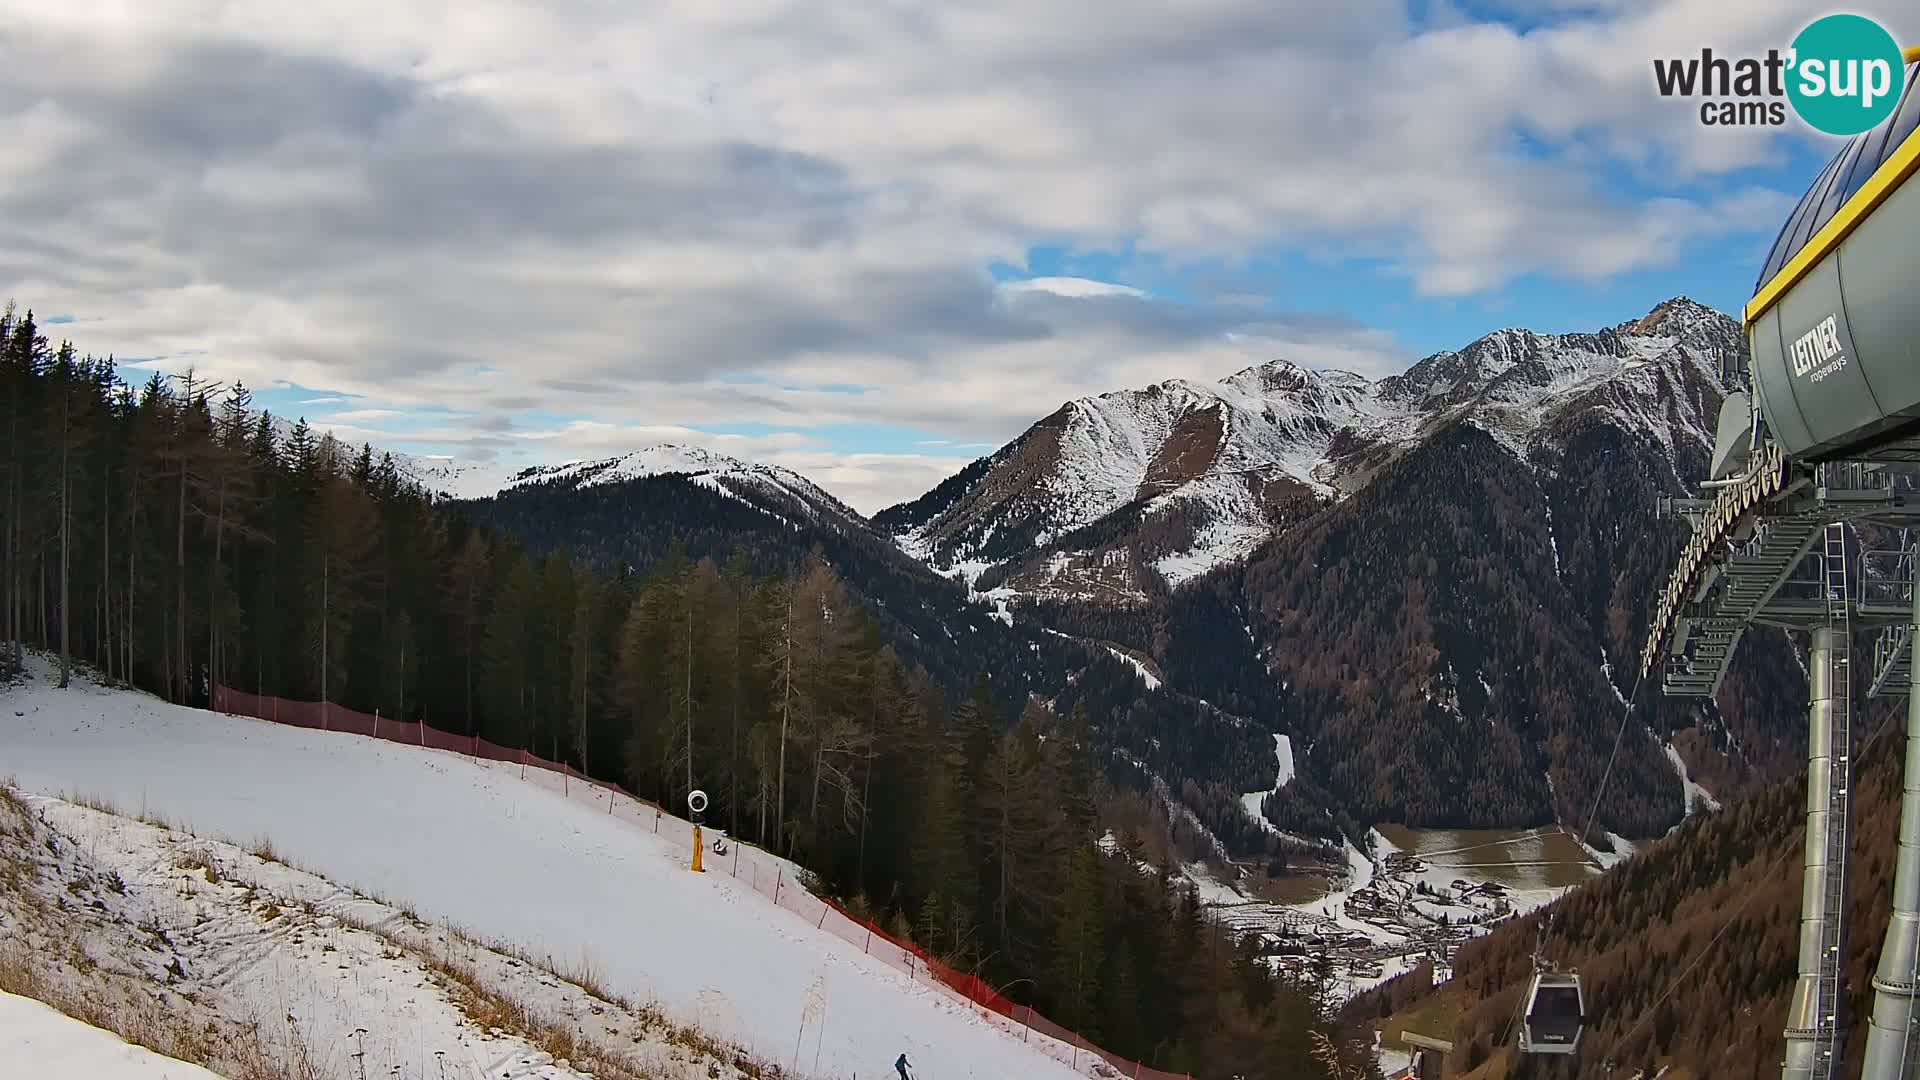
60	1046
507	860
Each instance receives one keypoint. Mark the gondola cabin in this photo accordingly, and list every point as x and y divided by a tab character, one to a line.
1556	1014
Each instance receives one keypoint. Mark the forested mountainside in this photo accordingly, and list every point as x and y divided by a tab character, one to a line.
1441	642
1442	618
173	539
1660	989
612	520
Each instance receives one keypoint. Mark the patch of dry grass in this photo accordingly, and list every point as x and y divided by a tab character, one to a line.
262	849
17	974
44	956
490	1008
199	859
92	802
18	873
142	1015
13	810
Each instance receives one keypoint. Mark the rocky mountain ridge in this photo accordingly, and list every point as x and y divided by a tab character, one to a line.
1119	496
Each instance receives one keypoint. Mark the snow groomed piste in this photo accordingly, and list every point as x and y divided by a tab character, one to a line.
563	868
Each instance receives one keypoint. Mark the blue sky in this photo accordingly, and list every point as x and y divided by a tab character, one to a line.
870	244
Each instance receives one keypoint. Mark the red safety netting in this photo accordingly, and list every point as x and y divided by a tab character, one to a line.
763	872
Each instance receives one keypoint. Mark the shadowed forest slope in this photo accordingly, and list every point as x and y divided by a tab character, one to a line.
1639	937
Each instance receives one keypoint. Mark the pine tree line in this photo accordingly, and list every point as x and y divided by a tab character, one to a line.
175	538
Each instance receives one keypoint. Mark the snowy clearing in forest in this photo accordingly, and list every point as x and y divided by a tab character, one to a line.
1283	751
1697	796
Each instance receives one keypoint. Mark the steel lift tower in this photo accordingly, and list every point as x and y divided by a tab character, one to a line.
1820	447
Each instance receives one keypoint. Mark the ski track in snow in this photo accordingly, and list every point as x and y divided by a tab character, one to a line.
1283	750
508	861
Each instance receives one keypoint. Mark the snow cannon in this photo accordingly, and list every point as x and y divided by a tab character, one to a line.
697	805
1834	329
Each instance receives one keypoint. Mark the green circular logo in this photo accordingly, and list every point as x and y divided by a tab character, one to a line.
1845	74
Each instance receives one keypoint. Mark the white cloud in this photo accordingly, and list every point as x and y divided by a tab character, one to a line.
353	416
1070	286
622	212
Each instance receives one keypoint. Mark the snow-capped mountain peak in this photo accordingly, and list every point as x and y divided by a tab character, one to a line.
1185	475
752	482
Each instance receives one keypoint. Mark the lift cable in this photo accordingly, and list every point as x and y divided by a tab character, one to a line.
1539	951
1647	1013
1540	947
1612	757
1782	860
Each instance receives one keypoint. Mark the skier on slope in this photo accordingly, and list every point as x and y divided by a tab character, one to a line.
903	1066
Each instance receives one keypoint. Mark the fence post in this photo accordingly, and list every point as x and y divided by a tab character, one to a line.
776	886
376	723
868	947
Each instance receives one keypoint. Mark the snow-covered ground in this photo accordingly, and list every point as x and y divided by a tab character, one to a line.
1146	676
1283	751
718	472
1360	875
1623	849
43	1042
1697	796
1217	545
1219	452
289	974
508	861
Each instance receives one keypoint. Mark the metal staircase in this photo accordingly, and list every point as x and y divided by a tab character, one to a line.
1893	589
1892	661
1754	574
1750	540
1827	1064
1748	579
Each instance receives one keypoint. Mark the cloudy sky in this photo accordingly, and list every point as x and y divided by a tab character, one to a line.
868	239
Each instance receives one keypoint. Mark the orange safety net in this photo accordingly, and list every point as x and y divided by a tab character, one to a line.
770	876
